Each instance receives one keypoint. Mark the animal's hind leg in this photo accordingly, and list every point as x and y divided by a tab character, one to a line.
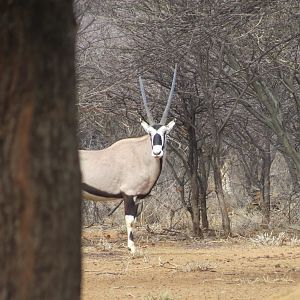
130	215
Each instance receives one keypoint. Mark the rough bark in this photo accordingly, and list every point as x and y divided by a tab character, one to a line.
293	174
217	165
220	196
193	164
195	206
39	170
204	218
268	98
266	185
203	175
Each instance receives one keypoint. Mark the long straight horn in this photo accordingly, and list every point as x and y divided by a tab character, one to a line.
149	116
165	114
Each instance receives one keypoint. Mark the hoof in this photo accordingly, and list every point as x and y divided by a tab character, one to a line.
132	250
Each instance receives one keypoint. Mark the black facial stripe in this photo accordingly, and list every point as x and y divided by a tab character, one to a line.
163	146
157	139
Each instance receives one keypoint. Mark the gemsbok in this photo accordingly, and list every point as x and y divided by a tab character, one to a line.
129	168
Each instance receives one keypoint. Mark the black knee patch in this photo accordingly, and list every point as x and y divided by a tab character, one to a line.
131	236
130	206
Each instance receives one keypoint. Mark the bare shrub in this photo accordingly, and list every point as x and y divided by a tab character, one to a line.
162	296
269	239
245	224
197	267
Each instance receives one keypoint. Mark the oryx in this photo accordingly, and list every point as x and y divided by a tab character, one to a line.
129	168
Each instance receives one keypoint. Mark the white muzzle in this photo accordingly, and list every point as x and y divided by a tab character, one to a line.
157	151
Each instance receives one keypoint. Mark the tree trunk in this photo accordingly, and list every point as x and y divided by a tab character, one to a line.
269	99
216	164
195	206
266	185
295	179
204	219
193	164
221	197
203	174
39	169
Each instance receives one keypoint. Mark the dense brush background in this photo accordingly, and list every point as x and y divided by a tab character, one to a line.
236	106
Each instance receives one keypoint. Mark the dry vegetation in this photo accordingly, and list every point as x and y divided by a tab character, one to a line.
232	167
181	267
235	148
172	264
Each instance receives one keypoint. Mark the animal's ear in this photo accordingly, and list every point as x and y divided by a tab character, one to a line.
170	126
146	126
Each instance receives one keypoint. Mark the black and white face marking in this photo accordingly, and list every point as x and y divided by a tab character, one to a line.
158	135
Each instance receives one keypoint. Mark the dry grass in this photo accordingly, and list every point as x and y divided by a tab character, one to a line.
104	245
233	264
162	296
197	267
269	239
193	266
272	239
267	280
294	241
156	225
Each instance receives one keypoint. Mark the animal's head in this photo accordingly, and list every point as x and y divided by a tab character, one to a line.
158	131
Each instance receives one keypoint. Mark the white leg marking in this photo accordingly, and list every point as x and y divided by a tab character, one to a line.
129	223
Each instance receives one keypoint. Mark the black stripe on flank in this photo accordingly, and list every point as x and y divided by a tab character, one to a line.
93	191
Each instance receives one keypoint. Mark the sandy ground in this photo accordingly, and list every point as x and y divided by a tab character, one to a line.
176	268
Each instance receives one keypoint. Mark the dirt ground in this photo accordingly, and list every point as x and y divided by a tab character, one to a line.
170	267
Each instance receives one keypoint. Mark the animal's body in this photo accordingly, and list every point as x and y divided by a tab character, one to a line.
105	182
129	168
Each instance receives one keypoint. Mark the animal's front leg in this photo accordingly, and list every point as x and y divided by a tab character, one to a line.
130	215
